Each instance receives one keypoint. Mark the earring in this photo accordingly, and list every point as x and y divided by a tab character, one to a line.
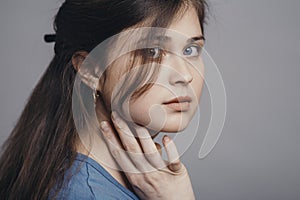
96	95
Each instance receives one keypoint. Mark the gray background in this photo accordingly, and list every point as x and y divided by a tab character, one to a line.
256	46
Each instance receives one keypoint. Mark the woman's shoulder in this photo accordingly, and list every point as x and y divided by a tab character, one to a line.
89	180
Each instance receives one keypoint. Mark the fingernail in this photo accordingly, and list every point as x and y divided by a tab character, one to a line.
104	126
166	138
115	115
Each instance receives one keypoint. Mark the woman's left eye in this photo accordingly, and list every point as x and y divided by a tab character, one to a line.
192	50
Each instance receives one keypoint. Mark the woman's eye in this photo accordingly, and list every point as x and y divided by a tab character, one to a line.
155	52
192	51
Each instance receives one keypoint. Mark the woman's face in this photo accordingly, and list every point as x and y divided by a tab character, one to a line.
171	102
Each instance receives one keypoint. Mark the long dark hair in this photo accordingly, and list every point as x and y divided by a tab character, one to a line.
41	147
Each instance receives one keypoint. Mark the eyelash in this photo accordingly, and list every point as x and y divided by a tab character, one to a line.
161	52
148	52
198	49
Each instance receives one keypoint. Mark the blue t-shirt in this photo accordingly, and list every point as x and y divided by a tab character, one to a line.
91	181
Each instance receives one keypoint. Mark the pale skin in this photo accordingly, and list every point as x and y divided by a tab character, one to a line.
167	179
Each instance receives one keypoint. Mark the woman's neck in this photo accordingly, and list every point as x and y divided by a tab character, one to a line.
102	156
98	150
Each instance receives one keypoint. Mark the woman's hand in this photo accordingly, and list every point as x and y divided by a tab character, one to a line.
150	176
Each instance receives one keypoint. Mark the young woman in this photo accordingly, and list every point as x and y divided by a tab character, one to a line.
47	155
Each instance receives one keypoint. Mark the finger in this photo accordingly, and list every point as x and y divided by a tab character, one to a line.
131	145
149	147
174	162
158	146
116	150
127	138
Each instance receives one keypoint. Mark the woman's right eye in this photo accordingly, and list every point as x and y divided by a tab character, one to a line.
154	53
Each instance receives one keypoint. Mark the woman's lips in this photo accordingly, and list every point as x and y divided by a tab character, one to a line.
183	106
181	103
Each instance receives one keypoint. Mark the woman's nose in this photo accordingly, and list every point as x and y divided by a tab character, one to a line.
180	72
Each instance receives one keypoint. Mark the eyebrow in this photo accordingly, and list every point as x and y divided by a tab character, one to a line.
193	39
190	40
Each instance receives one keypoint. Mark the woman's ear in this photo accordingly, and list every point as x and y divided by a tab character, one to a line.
77	59
88	73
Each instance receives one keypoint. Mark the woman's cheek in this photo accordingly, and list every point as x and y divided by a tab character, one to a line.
148	114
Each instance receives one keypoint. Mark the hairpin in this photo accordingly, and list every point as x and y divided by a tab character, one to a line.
49	38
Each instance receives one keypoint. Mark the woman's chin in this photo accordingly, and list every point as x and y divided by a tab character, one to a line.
168	128
174	128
